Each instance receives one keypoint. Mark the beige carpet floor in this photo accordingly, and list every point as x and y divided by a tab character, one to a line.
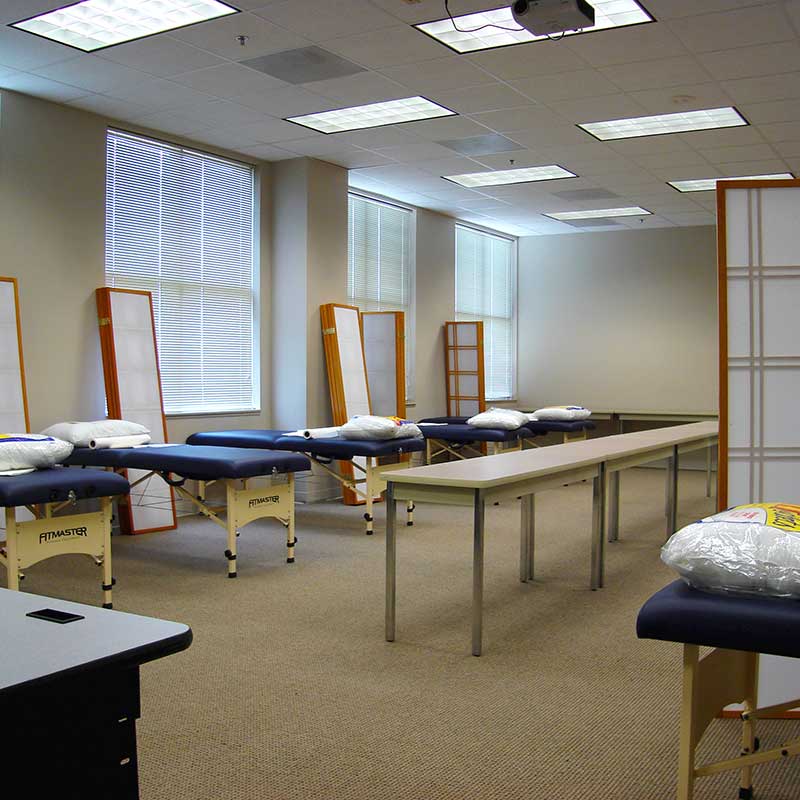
289	691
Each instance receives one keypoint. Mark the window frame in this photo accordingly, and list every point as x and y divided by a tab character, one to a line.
514	241
411	312
255	286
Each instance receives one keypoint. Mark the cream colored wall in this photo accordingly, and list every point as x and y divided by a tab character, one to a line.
52	194
619	320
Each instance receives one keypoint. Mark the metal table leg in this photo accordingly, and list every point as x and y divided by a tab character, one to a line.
477	573
391	561
597	577
613	506
672	493
527	538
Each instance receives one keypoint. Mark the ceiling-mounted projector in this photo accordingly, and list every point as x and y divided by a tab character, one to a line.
543	17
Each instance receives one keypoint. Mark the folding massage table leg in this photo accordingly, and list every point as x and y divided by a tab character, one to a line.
27	542
375	486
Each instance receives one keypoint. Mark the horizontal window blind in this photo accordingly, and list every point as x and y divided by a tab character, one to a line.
180	224
485	288
380	273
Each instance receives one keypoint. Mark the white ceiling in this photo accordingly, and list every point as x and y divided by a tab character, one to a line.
698	54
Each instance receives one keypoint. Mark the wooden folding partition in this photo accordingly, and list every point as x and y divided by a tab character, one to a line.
759	349
385	359
464	368
347	371
13	394
133	392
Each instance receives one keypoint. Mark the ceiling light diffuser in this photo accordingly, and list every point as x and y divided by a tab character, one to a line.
707	184
94	24
497	28
600	213
679	122
502	177
373	115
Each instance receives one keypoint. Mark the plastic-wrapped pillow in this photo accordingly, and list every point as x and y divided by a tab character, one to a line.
374	428
753	549
25	452
504	419
82	434
562	413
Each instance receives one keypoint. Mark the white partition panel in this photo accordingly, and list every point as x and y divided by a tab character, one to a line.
13	401
133	392
384	354
759	263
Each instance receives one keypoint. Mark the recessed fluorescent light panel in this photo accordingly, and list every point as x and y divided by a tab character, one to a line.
502	177
600	213
707	184
373	115
680	122
497	28
95	24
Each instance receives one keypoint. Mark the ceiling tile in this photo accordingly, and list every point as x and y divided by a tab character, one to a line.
565	135
438	74
303	65
21	50
270	130
160	55
729	155
268	152
672	9
319	145
565	86
527	60
445	128
327	20
739	28
359	89
285	101
415	11
396	45
170	122
372	138
649	144
747	62
355	159
491	97
594	109
682	98
781	131
92	74
419	152
772	111
40	87
220	36
157	93
724	137
626	45
788	149
108	106
227	80
519	119
774	87
682	159
692	218
656	74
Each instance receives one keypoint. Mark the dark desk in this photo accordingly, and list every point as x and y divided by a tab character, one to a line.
69	695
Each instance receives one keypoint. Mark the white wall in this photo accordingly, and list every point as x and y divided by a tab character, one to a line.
619	320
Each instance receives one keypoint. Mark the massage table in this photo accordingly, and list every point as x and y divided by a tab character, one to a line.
45	493
739	627
324	452
452	435
176	464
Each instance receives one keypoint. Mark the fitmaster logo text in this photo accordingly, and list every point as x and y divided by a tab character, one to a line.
65	533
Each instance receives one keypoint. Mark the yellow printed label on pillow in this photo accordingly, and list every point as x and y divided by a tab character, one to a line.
784	516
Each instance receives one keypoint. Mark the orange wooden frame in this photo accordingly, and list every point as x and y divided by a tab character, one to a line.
722	303
399	355
113	400
451	344
13	282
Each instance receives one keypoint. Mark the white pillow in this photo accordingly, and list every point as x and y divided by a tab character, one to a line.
753	549
376	428
30	451
81	434
562	413
504	419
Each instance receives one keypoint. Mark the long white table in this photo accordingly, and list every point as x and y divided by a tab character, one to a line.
509	476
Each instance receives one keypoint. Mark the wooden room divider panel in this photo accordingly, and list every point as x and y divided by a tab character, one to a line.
133	392
759	295
385	358
464	368
13	395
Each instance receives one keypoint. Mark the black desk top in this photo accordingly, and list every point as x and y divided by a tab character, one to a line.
34	651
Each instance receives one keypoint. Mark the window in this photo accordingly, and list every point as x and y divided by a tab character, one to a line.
380	269
485	290
179	224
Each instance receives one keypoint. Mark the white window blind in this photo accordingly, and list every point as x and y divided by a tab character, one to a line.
380	272
180	224
485	290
